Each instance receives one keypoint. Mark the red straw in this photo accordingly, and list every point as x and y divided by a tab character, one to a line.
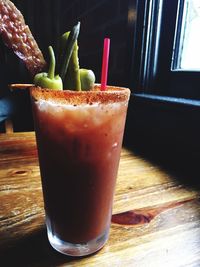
104	71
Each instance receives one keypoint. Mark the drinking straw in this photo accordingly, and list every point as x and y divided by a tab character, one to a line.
104	71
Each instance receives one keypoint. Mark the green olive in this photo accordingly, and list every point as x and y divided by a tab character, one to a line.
87	79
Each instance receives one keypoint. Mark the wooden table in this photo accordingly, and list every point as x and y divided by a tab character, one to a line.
156	220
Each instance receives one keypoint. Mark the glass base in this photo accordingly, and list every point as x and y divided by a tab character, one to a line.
81	249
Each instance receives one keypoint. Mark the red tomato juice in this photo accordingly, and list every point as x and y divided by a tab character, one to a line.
79	139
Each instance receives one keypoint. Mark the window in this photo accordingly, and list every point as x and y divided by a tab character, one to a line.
169	63
164	113
187	37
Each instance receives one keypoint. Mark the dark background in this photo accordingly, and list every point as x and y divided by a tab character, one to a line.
99	19
48	20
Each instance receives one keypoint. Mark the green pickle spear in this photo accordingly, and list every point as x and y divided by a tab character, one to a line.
72	79
68	41
49	80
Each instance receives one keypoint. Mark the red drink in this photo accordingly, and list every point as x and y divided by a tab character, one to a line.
79	137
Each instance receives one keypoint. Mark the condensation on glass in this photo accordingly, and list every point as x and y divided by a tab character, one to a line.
186	54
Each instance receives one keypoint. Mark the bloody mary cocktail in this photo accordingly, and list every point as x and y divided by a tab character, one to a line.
79	138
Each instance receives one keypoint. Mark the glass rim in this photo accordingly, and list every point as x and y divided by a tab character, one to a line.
112	94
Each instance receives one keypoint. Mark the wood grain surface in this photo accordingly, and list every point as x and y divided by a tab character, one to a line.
156	219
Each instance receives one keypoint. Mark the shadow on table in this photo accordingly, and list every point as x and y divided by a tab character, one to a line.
182	165
167	136
33	251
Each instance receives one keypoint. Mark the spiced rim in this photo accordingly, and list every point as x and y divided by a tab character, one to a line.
112	94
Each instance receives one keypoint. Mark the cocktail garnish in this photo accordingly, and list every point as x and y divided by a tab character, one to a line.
68	40
73	77
87	79
49	80
17	36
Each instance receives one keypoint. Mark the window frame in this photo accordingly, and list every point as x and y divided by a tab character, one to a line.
160	127
154	32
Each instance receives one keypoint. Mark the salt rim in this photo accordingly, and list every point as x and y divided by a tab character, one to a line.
111	95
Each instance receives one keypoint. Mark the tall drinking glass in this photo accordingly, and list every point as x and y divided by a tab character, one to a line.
79	137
